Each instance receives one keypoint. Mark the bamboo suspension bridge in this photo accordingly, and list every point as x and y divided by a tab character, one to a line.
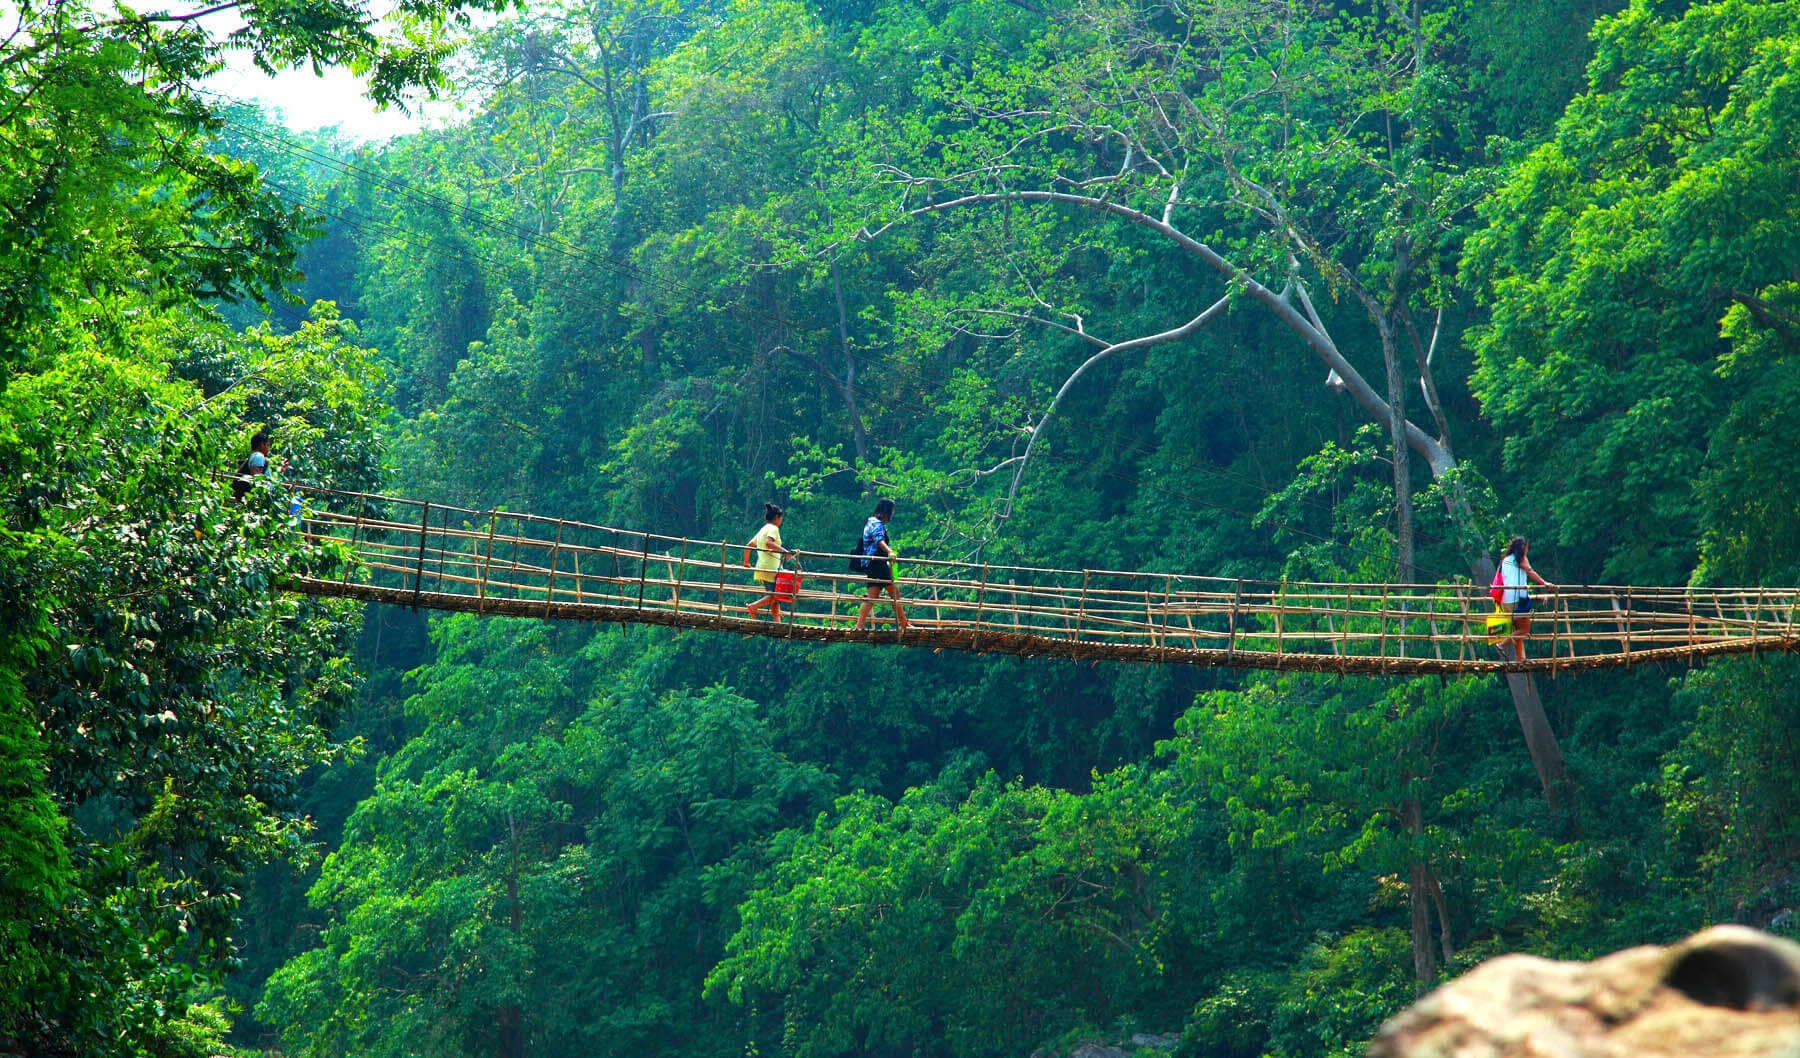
421	554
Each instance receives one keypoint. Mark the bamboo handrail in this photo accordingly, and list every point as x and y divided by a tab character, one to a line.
510	563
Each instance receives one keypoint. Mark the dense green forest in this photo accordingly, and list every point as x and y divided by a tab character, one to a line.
1263	288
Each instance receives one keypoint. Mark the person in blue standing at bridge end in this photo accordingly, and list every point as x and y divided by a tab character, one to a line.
255	465
877	558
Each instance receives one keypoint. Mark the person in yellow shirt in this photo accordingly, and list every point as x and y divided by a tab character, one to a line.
769	549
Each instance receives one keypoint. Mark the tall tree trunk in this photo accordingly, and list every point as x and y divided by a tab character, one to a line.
1397	377
1418	901
1540	742
1443	916
510	1034
847	383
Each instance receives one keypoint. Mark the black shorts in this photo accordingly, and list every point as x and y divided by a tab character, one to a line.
1522	606
881	571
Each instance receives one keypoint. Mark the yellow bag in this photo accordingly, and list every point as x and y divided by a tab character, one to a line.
1499	626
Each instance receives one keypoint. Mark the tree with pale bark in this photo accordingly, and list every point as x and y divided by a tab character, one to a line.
1311	159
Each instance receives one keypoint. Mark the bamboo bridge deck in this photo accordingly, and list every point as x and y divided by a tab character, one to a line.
422	554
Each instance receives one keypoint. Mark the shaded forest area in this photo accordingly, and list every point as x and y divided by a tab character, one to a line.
1260	288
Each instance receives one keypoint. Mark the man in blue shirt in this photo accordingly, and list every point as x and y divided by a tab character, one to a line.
881	566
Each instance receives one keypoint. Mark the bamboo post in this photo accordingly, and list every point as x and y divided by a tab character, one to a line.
1622	619
680	569
643	568
1431	624
1556	608
1280	600
1462	643
1150	619
355	532
980	595
487	560
721	578
1579	639
419	570
1755	620
1404	611
1562	607
438	553
1081	605
555	551
1381	623
578	578
1575	638
1168	590
1231	627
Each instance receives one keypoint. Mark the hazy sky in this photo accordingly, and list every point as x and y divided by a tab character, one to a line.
306	101
309	102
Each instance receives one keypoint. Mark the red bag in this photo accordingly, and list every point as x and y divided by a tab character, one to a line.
787	585
1499	588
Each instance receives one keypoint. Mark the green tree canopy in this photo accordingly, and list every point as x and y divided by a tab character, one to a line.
1641	354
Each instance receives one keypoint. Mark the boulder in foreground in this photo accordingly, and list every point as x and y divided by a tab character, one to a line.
1726	992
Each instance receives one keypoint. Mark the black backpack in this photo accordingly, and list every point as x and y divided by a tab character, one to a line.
241	485
859	562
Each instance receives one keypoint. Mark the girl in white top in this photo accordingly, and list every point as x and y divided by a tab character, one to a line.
1515	568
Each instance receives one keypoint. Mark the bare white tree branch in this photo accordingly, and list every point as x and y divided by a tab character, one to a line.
1436	455
1110	349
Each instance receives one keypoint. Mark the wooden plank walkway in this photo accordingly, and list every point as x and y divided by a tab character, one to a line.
421	554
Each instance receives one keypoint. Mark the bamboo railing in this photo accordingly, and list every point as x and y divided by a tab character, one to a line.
418	553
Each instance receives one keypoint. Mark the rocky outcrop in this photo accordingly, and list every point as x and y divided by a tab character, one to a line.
1728	992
